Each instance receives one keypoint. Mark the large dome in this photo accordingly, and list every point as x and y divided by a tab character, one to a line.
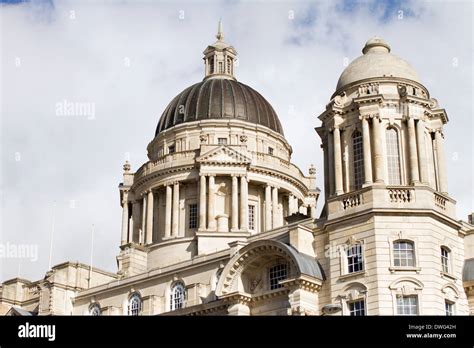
219	98
376	61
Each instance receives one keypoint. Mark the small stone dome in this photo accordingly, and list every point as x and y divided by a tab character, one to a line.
219	98
376	61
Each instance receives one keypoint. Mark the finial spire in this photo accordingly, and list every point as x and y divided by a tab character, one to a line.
220	33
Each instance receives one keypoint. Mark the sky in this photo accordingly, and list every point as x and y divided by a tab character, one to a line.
121	63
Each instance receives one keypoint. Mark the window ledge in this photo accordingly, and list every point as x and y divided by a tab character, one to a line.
394	269
353	274
448	275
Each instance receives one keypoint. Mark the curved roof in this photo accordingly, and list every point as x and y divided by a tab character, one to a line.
306	264
468	270
219	98
376	61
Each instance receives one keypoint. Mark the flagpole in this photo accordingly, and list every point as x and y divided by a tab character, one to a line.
92	254
52	236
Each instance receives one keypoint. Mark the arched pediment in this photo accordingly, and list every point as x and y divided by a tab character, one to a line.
262	252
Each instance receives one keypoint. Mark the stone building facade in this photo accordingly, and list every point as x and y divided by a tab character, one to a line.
220	222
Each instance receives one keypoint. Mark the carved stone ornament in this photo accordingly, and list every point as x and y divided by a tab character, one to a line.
203	138
402	90
126	166
243	138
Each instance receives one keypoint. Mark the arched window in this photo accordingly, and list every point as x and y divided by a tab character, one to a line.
393	157
358	154
277	273
178	296
134	304
94	309
445	259
403	253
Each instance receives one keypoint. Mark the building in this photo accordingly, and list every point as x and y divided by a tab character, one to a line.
219	221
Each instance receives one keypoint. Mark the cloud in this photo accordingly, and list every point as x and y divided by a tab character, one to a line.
129	59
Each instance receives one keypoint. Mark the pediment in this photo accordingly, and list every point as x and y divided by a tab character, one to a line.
224	155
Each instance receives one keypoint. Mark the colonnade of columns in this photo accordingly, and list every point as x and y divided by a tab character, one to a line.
146	206
239	200
373	153
143	210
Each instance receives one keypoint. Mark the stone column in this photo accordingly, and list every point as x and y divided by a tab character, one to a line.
168	211
268	207
275	207
211	218
244	226
443	182
124	218
346	139
330	176
141	237
422	157
313	210
149	219
130	228
235	204
338	161
290	204
366	149
378	157
175	225
202	203
414	174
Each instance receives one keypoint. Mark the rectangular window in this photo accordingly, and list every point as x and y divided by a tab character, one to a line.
270	151
357	308
193	215
407	305
404	254
449	306
354	258
222	141
171	149
445	260
221	68
277	273
252	217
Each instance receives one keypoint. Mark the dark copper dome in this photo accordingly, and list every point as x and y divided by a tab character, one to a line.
219	98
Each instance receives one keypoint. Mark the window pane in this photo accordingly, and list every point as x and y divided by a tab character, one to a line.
354	258
445	260
178	293
357	308
135	304
407	305
222	141
358	159
393	157
403	253
193	216
277	273
449	306
252	217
